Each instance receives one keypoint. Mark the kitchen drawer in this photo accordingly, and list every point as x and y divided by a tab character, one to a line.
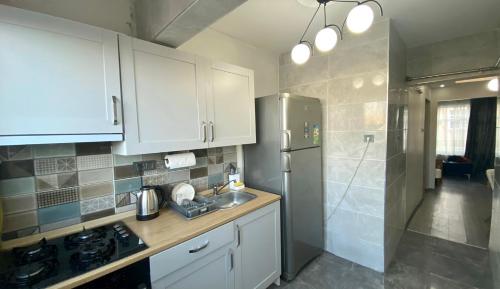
183	254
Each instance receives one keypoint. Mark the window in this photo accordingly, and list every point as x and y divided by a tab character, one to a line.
452	125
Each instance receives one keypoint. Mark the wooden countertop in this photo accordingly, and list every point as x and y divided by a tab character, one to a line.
164	232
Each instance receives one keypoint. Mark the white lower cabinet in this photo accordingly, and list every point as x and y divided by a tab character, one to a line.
258	248
215	270
245	253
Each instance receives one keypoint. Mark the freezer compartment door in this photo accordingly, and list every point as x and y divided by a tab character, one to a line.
302	205
300	123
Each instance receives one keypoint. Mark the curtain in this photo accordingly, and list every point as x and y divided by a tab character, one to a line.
480	147
452	126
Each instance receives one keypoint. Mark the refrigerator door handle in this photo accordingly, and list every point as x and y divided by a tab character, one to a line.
285	140
286	162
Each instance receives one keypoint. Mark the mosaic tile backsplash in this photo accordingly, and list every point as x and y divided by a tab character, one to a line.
45	187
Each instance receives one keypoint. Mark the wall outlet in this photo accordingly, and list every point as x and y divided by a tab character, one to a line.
369	138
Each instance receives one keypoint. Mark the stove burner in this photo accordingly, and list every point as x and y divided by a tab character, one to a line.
51	261
92	255
29	274
33	253
85	236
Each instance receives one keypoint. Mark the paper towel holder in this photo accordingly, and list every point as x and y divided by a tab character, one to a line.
181	160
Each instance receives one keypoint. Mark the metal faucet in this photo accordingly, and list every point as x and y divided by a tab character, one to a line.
216	190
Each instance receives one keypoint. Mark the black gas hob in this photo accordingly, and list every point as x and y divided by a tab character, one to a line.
51	261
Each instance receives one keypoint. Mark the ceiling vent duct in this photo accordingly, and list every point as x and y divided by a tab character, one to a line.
173	22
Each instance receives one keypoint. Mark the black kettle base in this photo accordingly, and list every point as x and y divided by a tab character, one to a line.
147	217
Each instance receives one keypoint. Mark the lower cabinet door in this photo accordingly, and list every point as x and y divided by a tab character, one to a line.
258	248
216	270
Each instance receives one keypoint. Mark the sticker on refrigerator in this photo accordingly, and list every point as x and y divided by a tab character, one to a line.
316	139
306	130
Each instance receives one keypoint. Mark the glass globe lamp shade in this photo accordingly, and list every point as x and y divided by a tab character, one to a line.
493	84
326	39
360	19
301	53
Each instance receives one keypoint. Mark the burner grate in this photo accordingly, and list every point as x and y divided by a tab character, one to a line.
92	254
75	240
33	253
30	274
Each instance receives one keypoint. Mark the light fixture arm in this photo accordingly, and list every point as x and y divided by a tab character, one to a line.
332	25
309	24
376	2
338	29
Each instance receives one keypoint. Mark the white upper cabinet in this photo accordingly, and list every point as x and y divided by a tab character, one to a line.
164	99
173	100
58	77
232	105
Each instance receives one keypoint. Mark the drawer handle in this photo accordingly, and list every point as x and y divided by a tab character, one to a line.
196	250
115	111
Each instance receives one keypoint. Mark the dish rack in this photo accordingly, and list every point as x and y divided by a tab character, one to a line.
194	209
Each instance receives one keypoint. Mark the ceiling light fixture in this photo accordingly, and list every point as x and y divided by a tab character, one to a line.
442	85
493	85
469	80
359	20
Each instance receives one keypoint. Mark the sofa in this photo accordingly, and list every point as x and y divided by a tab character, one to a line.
457	166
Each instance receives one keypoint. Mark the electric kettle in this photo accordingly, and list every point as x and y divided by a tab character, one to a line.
149	201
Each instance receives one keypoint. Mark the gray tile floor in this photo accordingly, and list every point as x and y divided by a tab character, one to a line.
457	210
421	262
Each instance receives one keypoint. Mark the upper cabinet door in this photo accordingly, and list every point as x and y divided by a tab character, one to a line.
163	99
232	105
58	77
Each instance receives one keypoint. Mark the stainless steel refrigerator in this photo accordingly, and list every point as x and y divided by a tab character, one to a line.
286	160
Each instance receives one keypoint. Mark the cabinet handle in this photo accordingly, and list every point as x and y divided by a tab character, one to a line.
238	236
196	250
231	260
212	134
204	128
115	110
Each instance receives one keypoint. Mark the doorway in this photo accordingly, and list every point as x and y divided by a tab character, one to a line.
461	119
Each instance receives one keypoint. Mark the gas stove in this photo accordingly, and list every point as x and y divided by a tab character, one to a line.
51	261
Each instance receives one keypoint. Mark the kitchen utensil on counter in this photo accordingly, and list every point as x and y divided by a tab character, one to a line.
194	209
150	200
182	191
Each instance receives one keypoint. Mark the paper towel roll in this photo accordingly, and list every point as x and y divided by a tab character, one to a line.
180	160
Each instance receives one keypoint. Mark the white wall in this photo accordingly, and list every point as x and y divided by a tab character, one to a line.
219	46
397	132
116	15
415	149
467	52
455	92
494	244
352	84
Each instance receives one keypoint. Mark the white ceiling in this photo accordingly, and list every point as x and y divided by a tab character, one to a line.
278	24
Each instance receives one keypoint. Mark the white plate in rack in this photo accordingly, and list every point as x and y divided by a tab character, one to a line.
182	192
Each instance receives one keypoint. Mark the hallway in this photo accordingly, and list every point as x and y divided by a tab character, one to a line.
457	210
421	262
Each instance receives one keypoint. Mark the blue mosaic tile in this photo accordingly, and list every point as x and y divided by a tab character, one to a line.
12	187
58	213
127	185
